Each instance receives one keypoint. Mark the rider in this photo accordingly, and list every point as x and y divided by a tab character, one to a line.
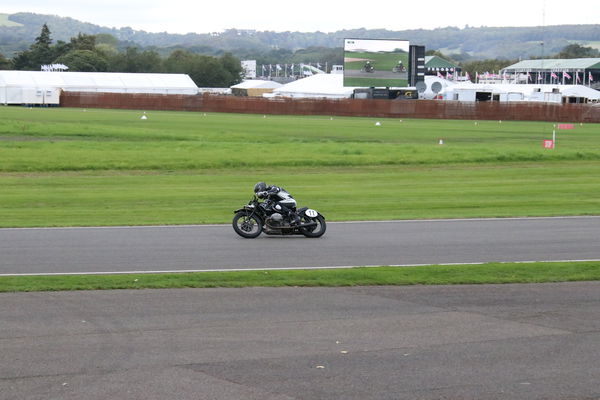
284	202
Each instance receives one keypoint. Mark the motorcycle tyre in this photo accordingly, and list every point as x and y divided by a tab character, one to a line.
257	221
312	233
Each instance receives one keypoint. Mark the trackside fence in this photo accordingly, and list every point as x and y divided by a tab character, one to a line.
518	111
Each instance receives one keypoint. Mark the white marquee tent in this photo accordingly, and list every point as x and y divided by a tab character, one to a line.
257	84
41	87
329	86
254	87
520	92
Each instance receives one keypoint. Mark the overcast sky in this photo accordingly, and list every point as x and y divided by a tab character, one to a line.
179	16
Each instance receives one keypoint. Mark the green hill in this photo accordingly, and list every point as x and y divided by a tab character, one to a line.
17	32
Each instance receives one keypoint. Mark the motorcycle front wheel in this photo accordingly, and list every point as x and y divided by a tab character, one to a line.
313	231
246	225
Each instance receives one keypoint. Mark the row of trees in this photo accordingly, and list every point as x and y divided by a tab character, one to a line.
474	43
98	53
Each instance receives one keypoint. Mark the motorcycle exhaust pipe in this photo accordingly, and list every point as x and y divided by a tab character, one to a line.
310	224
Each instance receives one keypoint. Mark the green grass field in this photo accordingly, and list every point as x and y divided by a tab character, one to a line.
63	167
490	273
375	82
381	61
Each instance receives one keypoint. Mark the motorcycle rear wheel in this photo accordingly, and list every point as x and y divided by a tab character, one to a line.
246	225
314	231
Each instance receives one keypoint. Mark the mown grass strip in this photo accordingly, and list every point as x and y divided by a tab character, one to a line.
452	191
490	273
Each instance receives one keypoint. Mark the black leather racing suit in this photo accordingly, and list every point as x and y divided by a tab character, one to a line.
284	202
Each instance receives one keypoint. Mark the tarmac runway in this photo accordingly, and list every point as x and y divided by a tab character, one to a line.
528	341
182	248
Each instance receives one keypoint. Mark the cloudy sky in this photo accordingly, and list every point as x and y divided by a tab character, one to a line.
180	16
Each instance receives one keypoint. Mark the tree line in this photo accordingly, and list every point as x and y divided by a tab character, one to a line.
476	43
104	53
472	67
99	53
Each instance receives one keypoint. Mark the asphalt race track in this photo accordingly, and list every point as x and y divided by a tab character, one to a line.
177	248
479	342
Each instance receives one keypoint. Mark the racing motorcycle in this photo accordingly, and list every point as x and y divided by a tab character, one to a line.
368	67
257	217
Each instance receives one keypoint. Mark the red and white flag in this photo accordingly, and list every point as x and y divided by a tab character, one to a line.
553	75
577	79
540	77
590	77
566	75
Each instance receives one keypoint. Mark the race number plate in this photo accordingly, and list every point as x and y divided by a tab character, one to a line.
311	213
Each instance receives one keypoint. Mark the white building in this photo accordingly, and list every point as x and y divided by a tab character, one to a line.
44	88
504	92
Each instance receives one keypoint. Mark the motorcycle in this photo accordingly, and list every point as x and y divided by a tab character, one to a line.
399	68
257	217
368	68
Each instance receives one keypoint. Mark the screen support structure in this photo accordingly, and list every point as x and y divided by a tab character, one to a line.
416	65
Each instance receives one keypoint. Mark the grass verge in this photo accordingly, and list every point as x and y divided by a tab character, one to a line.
391	192
489	273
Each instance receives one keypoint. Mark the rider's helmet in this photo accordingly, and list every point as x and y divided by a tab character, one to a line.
260	187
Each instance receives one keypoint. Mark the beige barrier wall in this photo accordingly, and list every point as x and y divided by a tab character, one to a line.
519	111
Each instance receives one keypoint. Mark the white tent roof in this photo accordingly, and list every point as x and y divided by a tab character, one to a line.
581	91
114	82
257	84
316	86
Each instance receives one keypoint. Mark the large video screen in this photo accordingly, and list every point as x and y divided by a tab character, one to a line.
376	62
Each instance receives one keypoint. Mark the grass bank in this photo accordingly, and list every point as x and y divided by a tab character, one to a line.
490	273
